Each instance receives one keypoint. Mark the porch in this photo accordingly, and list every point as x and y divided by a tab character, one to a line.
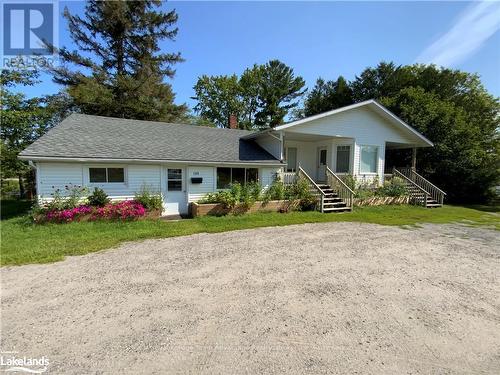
364	160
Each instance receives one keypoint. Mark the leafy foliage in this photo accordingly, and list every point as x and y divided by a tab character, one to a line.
449	107
121	66
98	198
395	187
246	195
261	97
23	121
328	95
149	199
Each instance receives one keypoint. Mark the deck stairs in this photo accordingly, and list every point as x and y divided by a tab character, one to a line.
331	201
422	192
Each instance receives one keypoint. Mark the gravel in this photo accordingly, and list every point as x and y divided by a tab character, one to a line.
313	298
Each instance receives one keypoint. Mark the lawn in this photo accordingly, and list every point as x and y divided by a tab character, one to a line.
24	242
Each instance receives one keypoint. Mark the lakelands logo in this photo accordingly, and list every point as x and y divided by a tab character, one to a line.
29	29
10	362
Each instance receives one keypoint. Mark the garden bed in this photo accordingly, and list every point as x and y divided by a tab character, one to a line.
379	201
219	209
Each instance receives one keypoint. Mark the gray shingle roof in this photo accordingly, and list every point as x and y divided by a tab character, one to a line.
85	136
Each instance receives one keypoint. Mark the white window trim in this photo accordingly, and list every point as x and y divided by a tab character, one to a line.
97	184
296	158
176	179
377	161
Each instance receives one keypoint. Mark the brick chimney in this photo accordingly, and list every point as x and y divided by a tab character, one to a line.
233	122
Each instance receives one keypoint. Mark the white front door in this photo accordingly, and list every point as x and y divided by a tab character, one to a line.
322	158
175	199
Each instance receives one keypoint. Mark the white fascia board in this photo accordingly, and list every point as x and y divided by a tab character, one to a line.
143	161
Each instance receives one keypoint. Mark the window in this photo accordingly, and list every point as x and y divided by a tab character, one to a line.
343	159
291	159
368	159
223	178
228	176
252	175
322	157
106	175
174	179
238	175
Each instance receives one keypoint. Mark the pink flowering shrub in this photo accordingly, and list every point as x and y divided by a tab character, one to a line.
67	215
122	210
126	210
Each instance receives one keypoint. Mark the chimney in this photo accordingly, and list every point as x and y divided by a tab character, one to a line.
233	122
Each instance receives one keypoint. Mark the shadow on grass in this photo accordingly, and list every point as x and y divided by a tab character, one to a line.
484	208
14	208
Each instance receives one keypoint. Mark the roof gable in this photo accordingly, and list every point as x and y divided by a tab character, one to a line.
400	131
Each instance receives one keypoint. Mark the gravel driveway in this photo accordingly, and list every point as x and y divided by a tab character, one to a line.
314	298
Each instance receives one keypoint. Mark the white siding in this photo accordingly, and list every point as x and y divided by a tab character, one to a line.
197	191
361	123
358	127
57	175
53	176
270	144
266	176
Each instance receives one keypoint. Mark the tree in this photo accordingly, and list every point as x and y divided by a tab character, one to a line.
261	97
218	97
121	69
454	111
328	95
278	93
24	120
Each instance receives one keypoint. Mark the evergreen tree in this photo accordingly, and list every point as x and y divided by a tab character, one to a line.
278	93
328	95
120	67
260	98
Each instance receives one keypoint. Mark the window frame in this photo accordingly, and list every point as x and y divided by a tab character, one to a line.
291	170
349	167
231	175
377	154
181	179
106	167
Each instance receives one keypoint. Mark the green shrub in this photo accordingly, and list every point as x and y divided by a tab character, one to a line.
98	198
275	192
396	187
71	199
210	198
151	200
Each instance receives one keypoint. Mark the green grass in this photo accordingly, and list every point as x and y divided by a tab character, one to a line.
23	242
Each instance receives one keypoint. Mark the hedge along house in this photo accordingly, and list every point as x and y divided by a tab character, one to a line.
184	162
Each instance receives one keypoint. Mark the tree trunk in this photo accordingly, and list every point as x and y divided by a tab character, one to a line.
21	186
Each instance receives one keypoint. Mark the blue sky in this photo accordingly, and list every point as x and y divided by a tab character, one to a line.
324	39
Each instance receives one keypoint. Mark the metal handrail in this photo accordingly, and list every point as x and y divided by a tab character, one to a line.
395	171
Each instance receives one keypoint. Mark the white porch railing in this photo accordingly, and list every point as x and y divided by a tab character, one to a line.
288	178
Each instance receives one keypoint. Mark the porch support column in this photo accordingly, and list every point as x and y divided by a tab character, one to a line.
414	159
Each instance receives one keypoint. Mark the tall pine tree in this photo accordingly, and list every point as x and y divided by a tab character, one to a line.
120	68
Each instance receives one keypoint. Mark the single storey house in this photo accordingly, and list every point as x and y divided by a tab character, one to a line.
184	162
